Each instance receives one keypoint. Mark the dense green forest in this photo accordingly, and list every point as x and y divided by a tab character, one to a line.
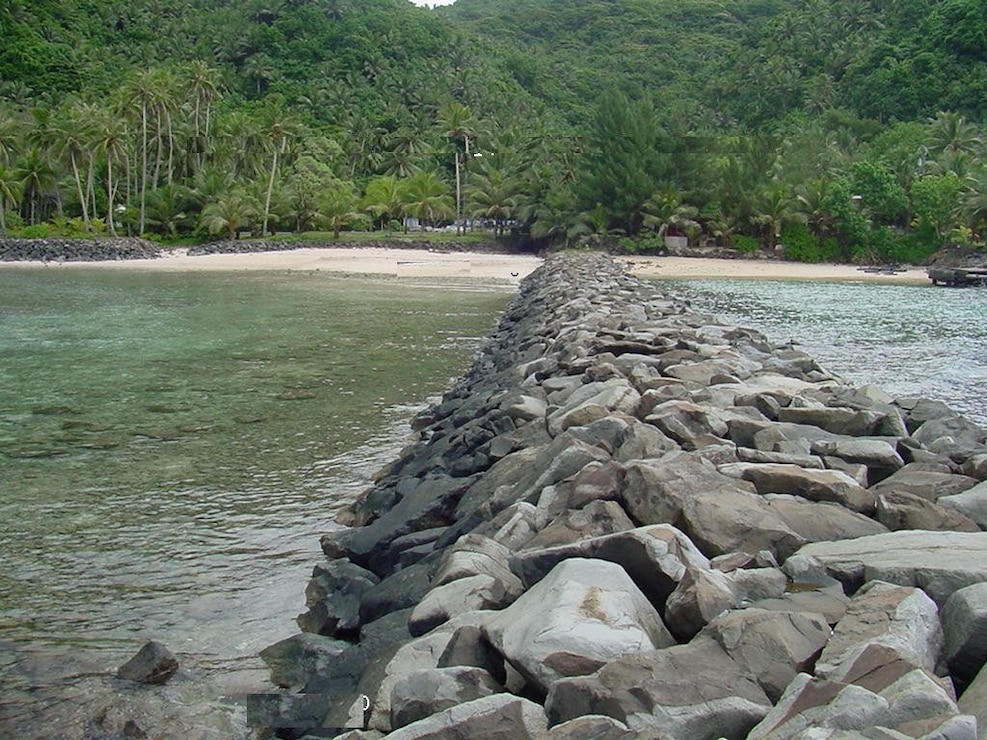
842	130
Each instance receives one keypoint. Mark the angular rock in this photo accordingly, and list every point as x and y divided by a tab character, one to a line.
927	484
654	490
690	425
901	618
593	726
581	615
469	646
475	554
732	521
821	522
898	510
596	519
153	664
811	484
772	646
420	694
687	691
971	503
642	441
973	701
655	557
699	597
474	593
964	622
937	562
333	598
294	660
818	704
880	457
496	717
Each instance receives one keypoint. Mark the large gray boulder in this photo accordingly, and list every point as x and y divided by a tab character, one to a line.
689	692
919	480
817	704
583	614
809	483
964	621
737	521
974	701
655	491
655	557
821	522
420	694
773	647
152	664
899	510
901	618
474	593
496	717
937	562
971	503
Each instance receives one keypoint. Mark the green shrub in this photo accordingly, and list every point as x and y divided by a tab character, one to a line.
801	245
745	243
37	231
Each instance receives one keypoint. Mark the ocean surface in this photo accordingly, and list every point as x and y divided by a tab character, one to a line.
171	448
173	445
912	340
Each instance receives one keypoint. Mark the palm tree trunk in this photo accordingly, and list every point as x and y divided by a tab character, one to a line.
270	187
82	195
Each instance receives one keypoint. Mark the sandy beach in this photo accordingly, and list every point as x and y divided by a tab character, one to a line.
476	265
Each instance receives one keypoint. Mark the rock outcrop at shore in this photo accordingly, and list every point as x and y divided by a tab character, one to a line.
629	520
246	246
77	250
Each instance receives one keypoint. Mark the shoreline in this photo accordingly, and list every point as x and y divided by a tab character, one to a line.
399	263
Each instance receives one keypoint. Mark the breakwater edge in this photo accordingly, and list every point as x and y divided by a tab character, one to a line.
629	520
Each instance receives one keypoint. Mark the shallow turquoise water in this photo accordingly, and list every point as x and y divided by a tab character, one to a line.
173	445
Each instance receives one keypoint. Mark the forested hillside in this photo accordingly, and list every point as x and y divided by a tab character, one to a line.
843	130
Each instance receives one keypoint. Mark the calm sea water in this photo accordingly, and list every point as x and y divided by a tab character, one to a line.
171	448
912	340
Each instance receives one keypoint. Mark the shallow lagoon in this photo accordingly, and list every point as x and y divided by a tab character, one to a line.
171	448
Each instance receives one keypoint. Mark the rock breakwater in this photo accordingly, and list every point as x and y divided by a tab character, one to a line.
628	520
76	250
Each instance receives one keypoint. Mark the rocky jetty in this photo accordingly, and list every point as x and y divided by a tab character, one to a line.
629	520
77	250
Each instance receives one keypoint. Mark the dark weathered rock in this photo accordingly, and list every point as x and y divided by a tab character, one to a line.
153	664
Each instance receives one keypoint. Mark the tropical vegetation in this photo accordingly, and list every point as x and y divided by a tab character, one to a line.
842	130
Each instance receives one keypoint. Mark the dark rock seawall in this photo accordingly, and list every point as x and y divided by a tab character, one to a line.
630	521
76	250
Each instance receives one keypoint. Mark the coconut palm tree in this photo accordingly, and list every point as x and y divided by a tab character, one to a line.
427	198
228	213
383	198
493	196
340	208
9	187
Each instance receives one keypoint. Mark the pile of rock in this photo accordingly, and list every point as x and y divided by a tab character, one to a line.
77	250
631	521
244	246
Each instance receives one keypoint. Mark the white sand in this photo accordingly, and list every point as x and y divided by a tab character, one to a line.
704	267
484	266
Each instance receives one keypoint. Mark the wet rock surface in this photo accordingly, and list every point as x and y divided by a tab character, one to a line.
630	520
